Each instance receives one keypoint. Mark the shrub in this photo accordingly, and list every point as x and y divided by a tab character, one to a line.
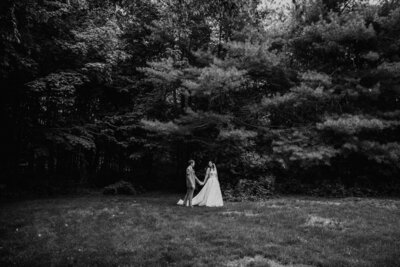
325	188
251	190
121	188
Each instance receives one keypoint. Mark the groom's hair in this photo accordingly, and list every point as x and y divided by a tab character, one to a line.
191	161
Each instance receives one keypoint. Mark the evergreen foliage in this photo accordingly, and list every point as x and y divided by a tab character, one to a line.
98	91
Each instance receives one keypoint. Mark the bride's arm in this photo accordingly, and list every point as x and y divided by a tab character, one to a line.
207	175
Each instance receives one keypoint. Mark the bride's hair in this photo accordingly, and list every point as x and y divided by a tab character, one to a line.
214	167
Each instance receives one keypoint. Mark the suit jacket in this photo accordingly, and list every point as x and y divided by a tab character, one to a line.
190	178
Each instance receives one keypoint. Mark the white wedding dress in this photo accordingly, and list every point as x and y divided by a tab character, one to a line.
210	195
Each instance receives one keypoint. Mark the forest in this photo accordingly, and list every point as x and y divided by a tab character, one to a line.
296	97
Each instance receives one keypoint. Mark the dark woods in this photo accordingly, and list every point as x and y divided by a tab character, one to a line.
296	98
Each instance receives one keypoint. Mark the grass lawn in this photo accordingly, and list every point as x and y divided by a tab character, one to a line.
150	230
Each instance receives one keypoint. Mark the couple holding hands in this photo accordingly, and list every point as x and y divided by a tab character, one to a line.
210	195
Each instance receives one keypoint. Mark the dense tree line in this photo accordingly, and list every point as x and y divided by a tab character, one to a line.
303	98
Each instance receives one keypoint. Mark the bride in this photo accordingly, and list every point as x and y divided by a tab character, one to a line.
210	195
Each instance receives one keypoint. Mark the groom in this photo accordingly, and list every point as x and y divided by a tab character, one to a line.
191	180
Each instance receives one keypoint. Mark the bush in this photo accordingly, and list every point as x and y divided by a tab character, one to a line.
121	188
251	190
327	188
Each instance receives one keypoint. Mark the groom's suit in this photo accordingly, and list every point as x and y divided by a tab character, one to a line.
190	178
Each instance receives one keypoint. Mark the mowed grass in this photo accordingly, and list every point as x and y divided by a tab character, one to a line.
150	230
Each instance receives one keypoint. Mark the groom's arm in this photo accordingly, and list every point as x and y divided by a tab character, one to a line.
199	182
197	179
